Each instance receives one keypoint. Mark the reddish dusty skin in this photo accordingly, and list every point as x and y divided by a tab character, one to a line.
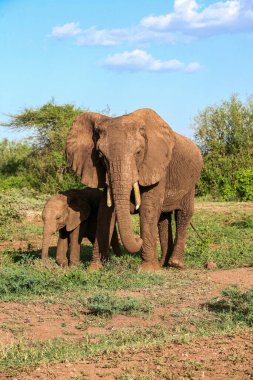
140	147
74	214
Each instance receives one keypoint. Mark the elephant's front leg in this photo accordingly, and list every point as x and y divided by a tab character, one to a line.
151	204
75	246
62	248
150	211
183	218
148	227
104	231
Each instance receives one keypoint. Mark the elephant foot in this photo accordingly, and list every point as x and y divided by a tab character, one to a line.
73	263
62	264
148	266
176	263
94	265
118	252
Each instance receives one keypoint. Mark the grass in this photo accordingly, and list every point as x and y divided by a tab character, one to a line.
108	305
234	305
227	239
23	276
29	353
167	298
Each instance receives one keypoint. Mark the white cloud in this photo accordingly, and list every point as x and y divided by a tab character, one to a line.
187	21
111	37
70	29
189	18
137	60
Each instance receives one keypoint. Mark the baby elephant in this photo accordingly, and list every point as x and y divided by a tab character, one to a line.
74	214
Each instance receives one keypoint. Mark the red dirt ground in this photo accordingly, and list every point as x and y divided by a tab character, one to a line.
218	357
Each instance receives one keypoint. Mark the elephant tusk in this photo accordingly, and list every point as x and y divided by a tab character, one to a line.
137	195
109	199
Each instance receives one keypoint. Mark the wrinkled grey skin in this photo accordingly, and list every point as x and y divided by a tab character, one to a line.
139	149
74	214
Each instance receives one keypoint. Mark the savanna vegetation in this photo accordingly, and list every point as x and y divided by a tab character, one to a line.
69	322
118	323
224	134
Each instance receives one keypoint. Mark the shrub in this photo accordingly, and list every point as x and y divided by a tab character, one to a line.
224	134
235	304
244	184
108	305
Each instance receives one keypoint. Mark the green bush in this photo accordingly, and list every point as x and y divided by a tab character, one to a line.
224	134
244	184
18	182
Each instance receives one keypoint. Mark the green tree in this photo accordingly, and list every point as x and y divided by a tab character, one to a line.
47	169
13	164
224	134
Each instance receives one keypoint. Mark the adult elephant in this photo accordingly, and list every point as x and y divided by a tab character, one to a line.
138	149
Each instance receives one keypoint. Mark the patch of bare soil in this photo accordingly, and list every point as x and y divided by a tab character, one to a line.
38	322
218	357
241	277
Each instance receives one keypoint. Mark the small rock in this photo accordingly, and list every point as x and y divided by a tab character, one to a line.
211	265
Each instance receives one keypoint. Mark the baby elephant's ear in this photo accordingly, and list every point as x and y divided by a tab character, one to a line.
77	213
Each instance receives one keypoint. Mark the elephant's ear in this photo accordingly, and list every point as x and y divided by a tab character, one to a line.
77	212
81	149
159	146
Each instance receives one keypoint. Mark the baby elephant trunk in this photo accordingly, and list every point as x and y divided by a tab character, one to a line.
47	233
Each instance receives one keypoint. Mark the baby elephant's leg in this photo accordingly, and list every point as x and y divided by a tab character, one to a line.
75	246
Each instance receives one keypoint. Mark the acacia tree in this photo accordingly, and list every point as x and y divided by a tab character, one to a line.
46	166
224	134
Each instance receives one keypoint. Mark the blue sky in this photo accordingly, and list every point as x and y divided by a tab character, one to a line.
175	57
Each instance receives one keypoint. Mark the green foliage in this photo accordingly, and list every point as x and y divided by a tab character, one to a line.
224	134
13	164
236	305
15	203
244	184
108	305
13	155
8	210
43	158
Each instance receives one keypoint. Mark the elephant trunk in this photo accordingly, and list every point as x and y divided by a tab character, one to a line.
121	195
47	233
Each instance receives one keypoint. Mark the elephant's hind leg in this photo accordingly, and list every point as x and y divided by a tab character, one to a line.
166	238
